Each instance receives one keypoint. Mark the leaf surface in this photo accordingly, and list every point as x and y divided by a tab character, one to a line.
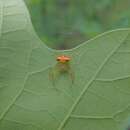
99	99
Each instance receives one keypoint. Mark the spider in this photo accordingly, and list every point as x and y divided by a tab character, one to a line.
62	66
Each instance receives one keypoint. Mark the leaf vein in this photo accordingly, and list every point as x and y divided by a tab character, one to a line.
1	17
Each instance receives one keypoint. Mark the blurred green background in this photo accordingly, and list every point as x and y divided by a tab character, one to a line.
63	24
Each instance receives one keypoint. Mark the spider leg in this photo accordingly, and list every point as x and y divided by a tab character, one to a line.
53	74
71	74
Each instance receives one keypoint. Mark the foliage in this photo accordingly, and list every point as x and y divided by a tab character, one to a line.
64	24
99	99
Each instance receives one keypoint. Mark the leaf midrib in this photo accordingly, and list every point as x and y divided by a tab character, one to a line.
89	83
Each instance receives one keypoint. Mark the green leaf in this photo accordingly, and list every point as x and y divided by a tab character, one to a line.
99	99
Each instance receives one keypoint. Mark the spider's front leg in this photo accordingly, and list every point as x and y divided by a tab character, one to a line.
71	74
53	74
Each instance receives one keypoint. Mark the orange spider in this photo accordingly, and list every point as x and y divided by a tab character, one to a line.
62	66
